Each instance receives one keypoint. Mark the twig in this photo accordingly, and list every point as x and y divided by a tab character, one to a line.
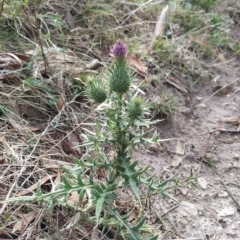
229	192
221	130
2	6
237	185
134	11
29	236
169	210
217	91
204	151
188	238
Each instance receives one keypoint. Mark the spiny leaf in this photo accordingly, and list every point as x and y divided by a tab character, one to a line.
163	183
133	185
81	195
166	194
79	180
153	238
39	191
139	224
51	206
101	195
66	183
99	205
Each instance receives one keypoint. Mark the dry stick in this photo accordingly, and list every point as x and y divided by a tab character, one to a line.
211	97
1	9
169	210
188	238
134	11
220	130
29	236
235	184
229	192
217	91
203	153
38	25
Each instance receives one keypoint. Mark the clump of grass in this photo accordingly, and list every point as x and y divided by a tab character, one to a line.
236	48
165	105
203	4
210	161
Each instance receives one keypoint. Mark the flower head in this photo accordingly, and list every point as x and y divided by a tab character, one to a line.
96	91
119	49
135	108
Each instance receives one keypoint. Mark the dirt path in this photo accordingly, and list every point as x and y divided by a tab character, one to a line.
207	127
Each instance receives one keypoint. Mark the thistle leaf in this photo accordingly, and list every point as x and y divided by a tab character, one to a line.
66	183
153	238
99	205
139	224
166	194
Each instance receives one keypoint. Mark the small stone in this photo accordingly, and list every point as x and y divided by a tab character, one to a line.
236	156
202	182
222	194
202	105
183	191
216	133
153	149
200	212
183	222
227	211
188	209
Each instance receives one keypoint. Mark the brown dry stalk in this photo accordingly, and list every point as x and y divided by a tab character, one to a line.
217	91
2	6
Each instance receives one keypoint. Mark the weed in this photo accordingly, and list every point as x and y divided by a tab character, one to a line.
15	7
210	161
204	4
192	21
236	48
4	109
122	128
219	39
192	179
167	105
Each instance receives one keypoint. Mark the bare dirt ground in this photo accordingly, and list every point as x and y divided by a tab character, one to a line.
207	128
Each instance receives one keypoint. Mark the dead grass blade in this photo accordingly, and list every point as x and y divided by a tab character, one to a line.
233	120
34	186
236	80
159	27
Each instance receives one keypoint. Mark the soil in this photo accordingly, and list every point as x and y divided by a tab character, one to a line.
206	127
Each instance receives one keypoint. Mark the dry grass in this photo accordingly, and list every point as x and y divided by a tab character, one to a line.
43	99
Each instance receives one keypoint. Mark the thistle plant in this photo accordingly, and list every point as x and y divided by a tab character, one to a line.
119	127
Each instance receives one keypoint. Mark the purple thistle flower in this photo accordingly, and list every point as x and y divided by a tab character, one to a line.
119	49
